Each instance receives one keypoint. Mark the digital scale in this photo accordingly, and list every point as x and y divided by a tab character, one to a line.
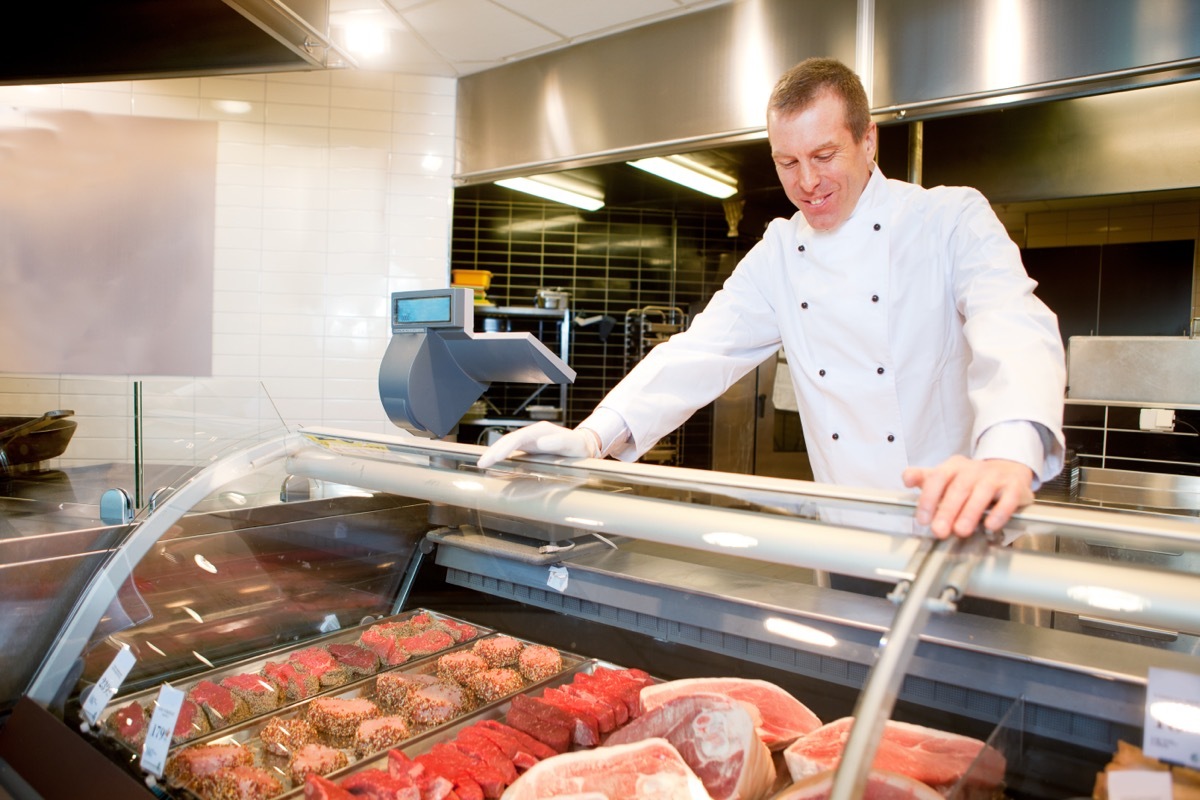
436	366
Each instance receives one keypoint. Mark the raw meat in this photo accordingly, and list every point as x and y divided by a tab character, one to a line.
881	785
716	736
584	728
318	788
357	660
647	770
377	784
784	718
128	724
934	757
433	787
527	742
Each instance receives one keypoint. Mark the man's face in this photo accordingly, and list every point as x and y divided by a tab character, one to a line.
822	169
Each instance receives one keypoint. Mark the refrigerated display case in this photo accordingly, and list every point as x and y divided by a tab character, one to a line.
655	571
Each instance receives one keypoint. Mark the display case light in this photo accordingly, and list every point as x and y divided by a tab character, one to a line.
689	173
550	187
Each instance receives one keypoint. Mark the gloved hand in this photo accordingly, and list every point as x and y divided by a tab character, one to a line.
542	437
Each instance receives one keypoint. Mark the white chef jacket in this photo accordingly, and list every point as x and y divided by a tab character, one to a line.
911	330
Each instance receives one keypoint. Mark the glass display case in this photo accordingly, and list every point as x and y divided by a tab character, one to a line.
309	575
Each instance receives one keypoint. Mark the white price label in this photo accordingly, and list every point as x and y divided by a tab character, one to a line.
1139	784
1172	726
557	579
162	726
108	685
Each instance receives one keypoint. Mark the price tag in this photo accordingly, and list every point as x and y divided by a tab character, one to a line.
162	726
1139	784
557	579
1172	727
108	685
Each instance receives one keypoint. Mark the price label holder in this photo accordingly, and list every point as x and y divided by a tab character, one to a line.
108	685
1139	784
162	726
1172	726
557	579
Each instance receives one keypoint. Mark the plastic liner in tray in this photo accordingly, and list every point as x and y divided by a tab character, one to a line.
248	735
498	711
420	619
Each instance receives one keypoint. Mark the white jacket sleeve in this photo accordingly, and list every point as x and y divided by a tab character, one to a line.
1017	368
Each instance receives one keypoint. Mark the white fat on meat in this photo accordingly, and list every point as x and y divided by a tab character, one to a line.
651	769
881	785
717	737
937	758
783	718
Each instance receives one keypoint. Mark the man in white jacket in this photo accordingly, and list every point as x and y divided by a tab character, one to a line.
919	354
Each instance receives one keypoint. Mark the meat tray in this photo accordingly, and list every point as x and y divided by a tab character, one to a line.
248	734
256	664
498	711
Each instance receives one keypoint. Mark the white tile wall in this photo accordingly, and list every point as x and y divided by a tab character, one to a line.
333	190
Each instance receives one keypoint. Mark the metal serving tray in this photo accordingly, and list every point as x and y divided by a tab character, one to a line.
247	733
254	665
424	742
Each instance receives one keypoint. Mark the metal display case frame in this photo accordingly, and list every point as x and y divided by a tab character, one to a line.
739	567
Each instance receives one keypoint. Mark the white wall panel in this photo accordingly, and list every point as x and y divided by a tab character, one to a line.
317	219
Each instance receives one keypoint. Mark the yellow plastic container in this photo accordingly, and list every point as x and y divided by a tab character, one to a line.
475	278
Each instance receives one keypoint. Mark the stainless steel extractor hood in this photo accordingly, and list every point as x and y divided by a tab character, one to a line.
124	39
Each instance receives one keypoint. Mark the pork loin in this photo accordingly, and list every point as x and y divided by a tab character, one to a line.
934	757
716	736
651	769
784	718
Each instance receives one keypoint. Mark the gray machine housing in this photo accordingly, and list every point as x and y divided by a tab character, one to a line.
435	366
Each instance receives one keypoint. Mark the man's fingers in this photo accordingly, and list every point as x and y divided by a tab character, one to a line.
503	448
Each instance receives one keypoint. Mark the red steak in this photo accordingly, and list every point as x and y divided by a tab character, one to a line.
934	757
527	742
432	785
376	784
319	788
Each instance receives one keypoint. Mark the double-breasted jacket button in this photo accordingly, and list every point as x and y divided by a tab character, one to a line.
874	298
835	436
879	371
800	248
891	438
821	373
877	226
804	304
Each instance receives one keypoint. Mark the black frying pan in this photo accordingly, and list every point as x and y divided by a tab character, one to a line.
27	440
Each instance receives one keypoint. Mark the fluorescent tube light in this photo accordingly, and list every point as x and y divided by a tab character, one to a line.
689	173
558	194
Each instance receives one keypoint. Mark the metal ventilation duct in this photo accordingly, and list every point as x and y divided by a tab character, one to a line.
124	39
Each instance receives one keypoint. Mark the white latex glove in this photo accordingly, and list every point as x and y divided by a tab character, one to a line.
542	437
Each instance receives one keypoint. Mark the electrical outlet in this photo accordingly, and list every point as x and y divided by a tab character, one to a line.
1157	419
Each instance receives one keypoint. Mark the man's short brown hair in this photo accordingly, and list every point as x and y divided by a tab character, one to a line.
803	83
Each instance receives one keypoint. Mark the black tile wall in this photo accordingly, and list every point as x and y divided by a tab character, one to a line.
611	261
1110	437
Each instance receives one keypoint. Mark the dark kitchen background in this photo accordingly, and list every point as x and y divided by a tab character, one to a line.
656	246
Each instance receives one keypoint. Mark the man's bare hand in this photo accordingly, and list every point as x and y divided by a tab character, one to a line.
957	494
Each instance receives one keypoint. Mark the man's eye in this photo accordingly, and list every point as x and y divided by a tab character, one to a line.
823	157
785	164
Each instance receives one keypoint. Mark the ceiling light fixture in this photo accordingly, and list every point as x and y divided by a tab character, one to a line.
549	187
689	173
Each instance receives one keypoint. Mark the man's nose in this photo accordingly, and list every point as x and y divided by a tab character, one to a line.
807	177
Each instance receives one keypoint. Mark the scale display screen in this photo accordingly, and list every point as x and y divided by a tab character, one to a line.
439	308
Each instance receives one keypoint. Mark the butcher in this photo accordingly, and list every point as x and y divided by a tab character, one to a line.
919	355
